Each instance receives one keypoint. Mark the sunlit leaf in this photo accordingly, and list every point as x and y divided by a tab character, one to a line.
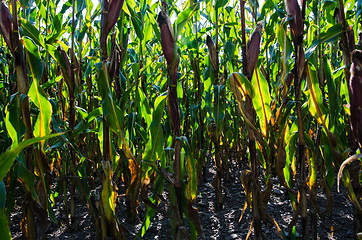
239	81
315	102
261	100
331	35
154	147
108	195
184	17
33	33
36	93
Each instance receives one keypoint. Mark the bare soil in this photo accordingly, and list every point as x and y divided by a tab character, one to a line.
218	223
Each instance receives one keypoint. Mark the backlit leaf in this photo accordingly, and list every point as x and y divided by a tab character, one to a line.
184	17
154	147
36	93
316	99
261	100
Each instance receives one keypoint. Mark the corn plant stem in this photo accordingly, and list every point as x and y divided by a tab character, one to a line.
301	141
175	115
252	149
173	108
79	68
46	31
23	88
216	138
346	52
216	70
226	147
90	109
186	102
301	149
118	70
345	43
104	55
313	190
199	101
72	117
347	48
243	38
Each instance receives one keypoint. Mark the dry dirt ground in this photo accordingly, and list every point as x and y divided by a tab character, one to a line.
217	223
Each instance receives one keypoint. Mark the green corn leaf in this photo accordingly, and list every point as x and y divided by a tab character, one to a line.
328	161
313	170
111	111
154	147
136	22
359	9
219	108
284	42
4	227
34	59
58	29
14	125
108	196
2	196
220	3
184	17
141	132
81	4
191	187
331	35
33	33
315	101
312	161
89	10
28	180
261	100
180	91
239	81
333	97
150	212
36	93
290	155
130	125
144	107
7	159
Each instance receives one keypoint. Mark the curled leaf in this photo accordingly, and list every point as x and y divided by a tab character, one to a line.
347	161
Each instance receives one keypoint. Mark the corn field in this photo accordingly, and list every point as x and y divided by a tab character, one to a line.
128	104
